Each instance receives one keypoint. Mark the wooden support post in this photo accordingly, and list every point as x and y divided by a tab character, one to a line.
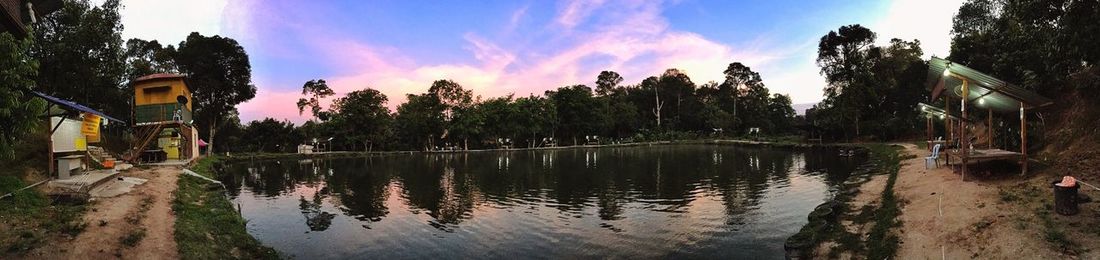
989	127
947	125
965	139
49	144
1023	139
928	131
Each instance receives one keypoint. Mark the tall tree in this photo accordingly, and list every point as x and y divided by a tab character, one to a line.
314	91
80	53
842	56
362	115
419	121
577	110
220	77
606	82
148	57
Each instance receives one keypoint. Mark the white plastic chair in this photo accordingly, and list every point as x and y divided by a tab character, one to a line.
931	160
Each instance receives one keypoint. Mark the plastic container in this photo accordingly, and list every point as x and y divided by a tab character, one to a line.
1065	199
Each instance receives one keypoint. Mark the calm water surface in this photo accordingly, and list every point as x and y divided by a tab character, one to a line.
684	201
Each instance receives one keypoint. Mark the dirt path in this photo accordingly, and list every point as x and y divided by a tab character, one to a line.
136	225
946	217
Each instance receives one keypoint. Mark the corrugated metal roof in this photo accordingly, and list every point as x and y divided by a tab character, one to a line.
74	106
985	90
935	111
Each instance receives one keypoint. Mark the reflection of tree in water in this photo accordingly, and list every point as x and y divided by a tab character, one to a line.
742	177
434	185
836	168
316	219
363	187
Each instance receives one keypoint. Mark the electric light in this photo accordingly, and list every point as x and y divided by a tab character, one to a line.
946	72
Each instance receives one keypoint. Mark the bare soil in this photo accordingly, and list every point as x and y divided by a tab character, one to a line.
983	217
143	216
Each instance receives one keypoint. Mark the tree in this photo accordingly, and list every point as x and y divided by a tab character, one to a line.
148	57
18	110
418	121
220	77
606	82
780	113
745	96
537	116
842	56
315	90
80	54
362	115
578	113
278	136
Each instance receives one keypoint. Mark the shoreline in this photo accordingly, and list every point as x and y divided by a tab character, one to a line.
343	154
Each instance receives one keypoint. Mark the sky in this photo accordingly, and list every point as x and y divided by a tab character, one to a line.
498	48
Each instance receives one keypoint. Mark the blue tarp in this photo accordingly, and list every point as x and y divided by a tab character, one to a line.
74	106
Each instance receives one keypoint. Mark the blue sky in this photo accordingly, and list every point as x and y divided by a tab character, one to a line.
523	47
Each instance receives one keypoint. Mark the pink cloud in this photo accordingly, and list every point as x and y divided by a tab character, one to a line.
634	39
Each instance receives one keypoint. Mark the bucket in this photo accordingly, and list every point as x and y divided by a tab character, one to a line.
1065	199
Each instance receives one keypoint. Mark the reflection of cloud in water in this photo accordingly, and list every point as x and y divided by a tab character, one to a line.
642	202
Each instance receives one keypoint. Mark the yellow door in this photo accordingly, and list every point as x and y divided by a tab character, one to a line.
171	146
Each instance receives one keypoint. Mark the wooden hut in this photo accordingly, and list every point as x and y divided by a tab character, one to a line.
967	94
162	112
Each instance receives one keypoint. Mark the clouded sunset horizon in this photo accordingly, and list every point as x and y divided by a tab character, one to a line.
525	47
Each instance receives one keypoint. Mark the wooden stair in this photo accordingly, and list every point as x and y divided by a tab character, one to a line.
145	135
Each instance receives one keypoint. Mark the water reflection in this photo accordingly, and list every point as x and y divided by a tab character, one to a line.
693	201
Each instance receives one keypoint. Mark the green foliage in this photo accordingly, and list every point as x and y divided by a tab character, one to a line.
207	224
80	54
18	110
1041	45
419	121
362	115
270	135
29	218
872	90
148	57
220	77
578	112
315	90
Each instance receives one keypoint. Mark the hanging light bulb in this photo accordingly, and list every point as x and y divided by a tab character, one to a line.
946	72
981	101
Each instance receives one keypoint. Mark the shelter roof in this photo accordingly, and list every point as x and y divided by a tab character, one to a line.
985	91
69	105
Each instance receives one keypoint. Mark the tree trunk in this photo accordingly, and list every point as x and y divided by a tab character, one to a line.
465	144
210	143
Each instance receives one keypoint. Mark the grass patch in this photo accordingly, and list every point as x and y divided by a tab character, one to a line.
29	218
207	224
881	243
133	238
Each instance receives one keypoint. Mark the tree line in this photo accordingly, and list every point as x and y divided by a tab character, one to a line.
663	107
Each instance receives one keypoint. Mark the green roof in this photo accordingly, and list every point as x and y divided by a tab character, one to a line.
985	90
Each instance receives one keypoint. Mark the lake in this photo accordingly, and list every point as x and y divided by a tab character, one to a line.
666	201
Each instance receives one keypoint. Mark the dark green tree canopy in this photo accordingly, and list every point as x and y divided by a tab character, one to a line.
80	54
314	91
220	77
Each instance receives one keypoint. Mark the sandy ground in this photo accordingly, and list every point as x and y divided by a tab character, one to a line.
945	217
148	206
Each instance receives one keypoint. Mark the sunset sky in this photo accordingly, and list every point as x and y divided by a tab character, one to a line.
524	47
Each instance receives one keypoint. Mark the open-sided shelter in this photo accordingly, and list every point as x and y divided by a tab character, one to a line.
974	92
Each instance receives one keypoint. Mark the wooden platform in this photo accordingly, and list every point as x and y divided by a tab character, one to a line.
979	155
